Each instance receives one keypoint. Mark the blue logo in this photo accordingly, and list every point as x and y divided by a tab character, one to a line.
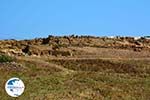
14	87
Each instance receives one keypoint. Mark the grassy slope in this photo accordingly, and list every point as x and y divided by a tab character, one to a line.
81	79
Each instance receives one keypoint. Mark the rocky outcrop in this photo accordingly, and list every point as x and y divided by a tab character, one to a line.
55	45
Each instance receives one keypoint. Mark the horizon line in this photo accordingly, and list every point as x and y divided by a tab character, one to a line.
73	35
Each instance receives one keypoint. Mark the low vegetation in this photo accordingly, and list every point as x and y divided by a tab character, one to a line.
77	79
5	58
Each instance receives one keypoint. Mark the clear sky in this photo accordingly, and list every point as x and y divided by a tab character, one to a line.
20	19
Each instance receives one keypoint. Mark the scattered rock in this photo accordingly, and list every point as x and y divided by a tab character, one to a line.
53	45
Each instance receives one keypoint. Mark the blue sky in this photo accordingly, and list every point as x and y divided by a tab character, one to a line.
24	19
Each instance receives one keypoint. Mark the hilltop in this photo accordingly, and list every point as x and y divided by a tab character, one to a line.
71	45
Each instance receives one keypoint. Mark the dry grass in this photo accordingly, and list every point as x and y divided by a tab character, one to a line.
80	79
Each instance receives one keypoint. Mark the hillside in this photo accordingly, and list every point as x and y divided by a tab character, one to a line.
78	68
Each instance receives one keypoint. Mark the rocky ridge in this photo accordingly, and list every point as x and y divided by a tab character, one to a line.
66	45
